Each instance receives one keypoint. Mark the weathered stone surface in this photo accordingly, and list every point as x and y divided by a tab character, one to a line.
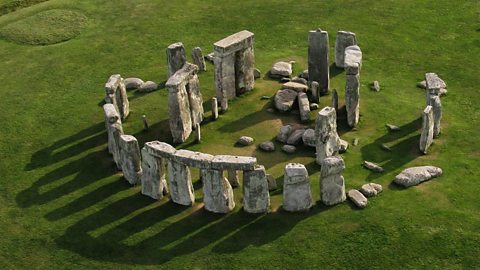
267	146
332	183
272	182
375	86
132	83
357	198
309	138
285	132
299	80
328	142
116	130
315	89
176	58
437	114
111	117
284	99
235	42
232	177
217	192
244	70
153	179
256	73
352	99
116	94
180	183
281	69
318	64
295	86
303	106
335	99
353	60
344	39
256	198
295	137
415	175
240	163
224	105
432	81
214	104
343	146
245	140
372	166
392	127
297	195
225	77
130	159
371	189
289	149
195	100
426	137
198	59
192	159
209	57
148	86
159	149
422	84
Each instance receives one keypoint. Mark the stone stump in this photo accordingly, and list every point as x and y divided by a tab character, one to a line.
332	184
130	159
176	58
327	139
335	100
318	64
297	195
198	59
426	137
217	192
256	198
344	39
315	92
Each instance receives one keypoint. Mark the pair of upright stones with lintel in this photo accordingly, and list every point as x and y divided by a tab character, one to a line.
432	114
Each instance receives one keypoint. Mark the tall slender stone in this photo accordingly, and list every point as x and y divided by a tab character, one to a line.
116	94
198	134
195	99
180	182
343	40
353	60
335	99
217	192
314	86
318	64
111	117
153	179
352	99
176	58
434	86
297	195
256	198
232	177
214	104
328	141
116	130
332	183
436	104
303	106
130	159
198	59
426	137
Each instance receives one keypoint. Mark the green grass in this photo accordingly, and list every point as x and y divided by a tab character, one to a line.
7	6
64	206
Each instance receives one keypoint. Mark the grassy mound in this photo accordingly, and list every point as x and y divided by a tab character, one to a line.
45	28
7	6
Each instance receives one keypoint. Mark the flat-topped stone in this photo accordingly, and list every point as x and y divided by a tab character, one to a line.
240	163
353	59
432	81
299	87
193	159
111	114
160	149
235	42
180	76
113	83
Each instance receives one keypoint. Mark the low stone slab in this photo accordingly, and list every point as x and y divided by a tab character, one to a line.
267	146
372	166
133	83
285	132
371	189
239	163
245	140
303	107
289	149
284	99
357	198
193	159
416	175
148	86
159	149
299	87
281	69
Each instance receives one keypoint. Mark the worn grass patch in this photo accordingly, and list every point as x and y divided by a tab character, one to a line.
45	28
7	6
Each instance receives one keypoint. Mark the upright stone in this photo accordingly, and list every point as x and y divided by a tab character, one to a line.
214	104
437	114
195	99
130	155
256	198
198	134
332	184
303	106
343	40
318	64
180	182
111	117
153	179
352	99
116	94
176	58
353	60
244	70
315	88
434	86
426	138
232	177
217	192
198	59
297	195
335	99
328	141
116	130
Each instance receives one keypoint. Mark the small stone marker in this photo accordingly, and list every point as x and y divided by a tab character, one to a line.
315	88
198	133
214	108
372	166
145	122
392	127
375	86
335	99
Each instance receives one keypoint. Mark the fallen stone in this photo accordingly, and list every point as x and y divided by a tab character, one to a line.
343	146
267	146
357	198
308	137
285	132
300	80
313	106
284	99
256	198
299	87
344	39
198	59
372	166
371	189
256	73
392	127
416	175
245	140
272	183
285	80
297	195
426	137
375	86
289	149
303	107
281	69
295	137
148	86
132	83
332	183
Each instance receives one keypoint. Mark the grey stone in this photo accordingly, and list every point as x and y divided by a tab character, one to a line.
353	60
145	122
240	163
426	137
198	133
343	146
209	57
297	195
193	159
371	189
295	137
116	94
318	63
232	177
256	198
284	133
116	130
328	142
289	149
344	39
304	107
130	159
392	127
352	99
434	86
313	106
267	146
422	84
198	59
284	79
309	138
357	198
180	183
272	183
159	149
148	86
176	58
300	80
245	140
437	114
284	99
217	192
256	73
415	175
281	69
195	99
244	71
214	104
376	86
299	87
111	117
315	89
332	183
304	74
372	166
133	83
153	179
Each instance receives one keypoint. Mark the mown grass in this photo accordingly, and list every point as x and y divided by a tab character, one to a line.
65	206
7	6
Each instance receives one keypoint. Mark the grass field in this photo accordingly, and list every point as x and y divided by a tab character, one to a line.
64	206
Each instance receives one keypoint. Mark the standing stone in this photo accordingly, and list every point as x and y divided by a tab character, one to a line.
195	99
426	138
303	106
343	40
198	59
198	134
217	192
256	198
153	179
116	130
130	159
328	141
352	99
214	104
176	58
116	94
332	184
297	195
145	122
224	105
437	114
353	60
318	64
244	71
315	88
111	117
335	99
180	182
232	177
434	86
